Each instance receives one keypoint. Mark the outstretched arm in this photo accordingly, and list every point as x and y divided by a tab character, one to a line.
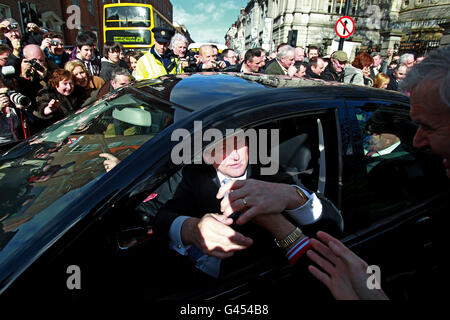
345	273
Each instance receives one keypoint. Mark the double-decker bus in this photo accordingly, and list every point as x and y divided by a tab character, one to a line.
131	24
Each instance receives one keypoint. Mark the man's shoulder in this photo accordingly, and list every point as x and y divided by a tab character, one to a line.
330	73
198	171
274	68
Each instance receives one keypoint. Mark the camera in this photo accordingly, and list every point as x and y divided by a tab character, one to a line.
12	26
18	99
173	62
36	65
192	67
8	76
54	43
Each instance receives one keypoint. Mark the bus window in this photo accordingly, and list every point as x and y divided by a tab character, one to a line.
131	24
127	17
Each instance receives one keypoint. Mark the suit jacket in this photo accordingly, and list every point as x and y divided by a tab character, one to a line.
393	84
275	68
196	196
383	69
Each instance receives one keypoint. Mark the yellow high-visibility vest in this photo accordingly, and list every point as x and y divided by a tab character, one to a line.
148	67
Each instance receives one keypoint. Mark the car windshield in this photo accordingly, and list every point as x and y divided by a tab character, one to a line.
41	177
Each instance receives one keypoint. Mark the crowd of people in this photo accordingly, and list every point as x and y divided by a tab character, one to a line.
42	82
54	82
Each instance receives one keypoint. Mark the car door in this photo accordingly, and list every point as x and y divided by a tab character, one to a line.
394	196
308	148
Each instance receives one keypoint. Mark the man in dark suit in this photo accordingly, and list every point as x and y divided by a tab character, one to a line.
284	63
254	62
379	65
396	76
192	225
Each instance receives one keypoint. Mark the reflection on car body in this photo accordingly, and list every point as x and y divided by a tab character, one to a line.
59	207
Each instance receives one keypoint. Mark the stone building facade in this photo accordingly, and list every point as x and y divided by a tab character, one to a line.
380	24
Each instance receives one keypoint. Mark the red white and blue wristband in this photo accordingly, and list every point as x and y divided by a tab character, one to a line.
298	250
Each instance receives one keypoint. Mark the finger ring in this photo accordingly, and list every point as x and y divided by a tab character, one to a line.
245	202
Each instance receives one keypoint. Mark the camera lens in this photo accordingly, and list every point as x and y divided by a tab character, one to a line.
19	99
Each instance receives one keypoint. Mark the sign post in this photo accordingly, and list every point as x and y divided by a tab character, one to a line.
344	27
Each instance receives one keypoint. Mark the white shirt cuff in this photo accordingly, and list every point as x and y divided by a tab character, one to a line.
175	242
208	264
308	213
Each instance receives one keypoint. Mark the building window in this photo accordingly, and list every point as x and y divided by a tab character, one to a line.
5	12
91	6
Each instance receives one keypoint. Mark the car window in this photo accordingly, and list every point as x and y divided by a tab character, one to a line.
392	175
48	172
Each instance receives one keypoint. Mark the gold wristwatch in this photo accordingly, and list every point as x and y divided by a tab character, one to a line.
290	239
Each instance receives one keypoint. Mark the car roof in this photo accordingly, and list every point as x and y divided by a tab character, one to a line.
200	90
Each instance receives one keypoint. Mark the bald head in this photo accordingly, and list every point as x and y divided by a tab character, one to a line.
207	54
33	51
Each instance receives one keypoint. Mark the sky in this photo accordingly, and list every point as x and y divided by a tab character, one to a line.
207	20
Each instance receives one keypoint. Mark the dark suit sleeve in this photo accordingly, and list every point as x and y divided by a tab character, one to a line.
330	221
182	203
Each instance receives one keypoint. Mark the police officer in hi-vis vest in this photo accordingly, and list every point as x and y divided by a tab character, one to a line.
158	61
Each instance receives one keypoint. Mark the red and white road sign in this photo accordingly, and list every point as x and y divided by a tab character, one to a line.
345	26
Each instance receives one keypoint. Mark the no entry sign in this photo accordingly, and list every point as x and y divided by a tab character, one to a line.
345	26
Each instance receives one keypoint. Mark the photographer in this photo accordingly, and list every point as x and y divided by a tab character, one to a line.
13	39
208	59
14	117
53	47
192	61
178	45
34	72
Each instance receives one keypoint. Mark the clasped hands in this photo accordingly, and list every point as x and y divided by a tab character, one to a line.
259	201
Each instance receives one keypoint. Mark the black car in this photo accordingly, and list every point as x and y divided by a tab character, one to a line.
71	230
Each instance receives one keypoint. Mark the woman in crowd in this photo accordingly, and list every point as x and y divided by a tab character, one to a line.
133	57
359	71
82	77
58	98
381	80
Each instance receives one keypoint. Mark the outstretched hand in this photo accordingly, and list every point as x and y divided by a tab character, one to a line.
110	162
346	273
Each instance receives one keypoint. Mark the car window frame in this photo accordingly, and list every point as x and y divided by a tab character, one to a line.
363	235
264	114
